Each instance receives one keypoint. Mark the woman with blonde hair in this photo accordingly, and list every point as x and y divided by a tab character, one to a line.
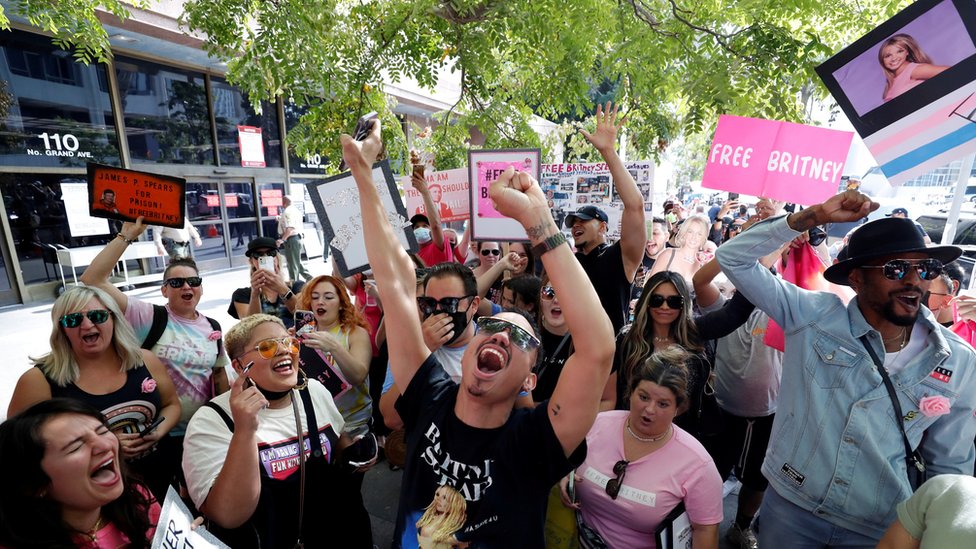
905	65
443	517
95	358
690	240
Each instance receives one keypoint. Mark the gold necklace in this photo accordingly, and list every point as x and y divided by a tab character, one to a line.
649	439
93	533
903	335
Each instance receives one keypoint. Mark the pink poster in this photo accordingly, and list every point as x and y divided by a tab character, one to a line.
781	160
488	172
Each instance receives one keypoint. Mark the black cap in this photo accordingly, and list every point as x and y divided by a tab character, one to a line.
261	243
586	213
901	211
418	218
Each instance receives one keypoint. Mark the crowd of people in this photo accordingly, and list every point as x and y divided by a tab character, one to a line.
619	383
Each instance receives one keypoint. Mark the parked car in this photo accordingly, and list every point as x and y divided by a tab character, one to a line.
965	238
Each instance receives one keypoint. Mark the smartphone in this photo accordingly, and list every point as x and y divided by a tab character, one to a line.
363	451
733	196
152	426
363	127
418	169
304	322
266	262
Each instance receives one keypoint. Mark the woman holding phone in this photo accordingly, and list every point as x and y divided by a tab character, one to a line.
95	358
269	292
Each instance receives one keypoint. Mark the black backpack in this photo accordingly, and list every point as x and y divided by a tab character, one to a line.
161	318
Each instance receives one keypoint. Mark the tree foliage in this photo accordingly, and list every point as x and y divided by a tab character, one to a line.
674	64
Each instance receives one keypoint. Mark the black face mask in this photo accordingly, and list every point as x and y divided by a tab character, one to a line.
459	321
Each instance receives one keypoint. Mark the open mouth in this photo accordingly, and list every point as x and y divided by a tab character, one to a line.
105	473
910	301
491	359
186	296
283	366
577	233
320	311
90	338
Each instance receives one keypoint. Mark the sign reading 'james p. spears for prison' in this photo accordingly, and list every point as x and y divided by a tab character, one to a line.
117	193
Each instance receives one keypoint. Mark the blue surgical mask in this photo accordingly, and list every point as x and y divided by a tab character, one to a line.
422	234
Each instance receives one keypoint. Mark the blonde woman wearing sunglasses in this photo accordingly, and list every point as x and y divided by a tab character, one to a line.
241	460
95	358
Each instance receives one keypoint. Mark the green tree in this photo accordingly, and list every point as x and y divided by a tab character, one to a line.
675	65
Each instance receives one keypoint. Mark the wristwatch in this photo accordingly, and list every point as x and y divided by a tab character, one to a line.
289	295
548	244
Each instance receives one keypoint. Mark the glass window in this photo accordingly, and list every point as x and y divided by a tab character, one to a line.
239	200
54	112
310	164
233	114
165	110
212	235
202	202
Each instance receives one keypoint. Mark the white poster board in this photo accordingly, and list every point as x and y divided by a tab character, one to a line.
75	197
173	529
336	201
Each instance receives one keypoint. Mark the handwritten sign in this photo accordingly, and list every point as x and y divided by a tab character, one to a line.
449	191
117	193
173	529
484	167
336	202
780	160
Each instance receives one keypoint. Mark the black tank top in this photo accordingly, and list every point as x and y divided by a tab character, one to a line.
129	409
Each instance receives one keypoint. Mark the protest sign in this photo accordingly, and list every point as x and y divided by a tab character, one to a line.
117	193
173	529
909	87
484	167
336	202
780	160
75	199
448	190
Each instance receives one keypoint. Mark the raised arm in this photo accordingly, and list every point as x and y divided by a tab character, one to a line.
396	279
575	401
433	212
96	275
488	278
633	235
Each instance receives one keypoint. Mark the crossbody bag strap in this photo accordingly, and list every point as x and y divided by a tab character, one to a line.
301	467
911	457
555	353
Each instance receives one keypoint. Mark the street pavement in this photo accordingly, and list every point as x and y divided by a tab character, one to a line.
26	330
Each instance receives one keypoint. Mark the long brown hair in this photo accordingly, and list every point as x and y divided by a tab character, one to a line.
349	315
637	344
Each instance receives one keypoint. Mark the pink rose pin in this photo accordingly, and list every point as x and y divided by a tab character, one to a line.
934	406
215	335
148	385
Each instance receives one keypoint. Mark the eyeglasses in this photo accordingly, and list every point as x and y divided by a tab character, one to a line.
266	253
896	269
927	295
520	337
449	305
547	293
268	348
614	484
737	228
673	301
73	320
178	282
493	251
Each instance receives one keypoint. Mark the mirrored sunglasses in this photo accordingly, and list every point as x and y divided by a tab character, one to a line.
519	336
449	305
178	282
270	347
548	293
673	301
73	320
896	269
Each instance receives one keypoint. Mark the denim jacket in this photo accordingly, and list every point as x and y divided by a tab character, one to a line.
835	449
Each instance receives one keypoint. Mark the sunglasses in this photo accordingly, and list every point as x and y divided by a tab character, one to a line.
547	293
268	253
178	282
519	336
614	484
927	295
494	251
449	305
73	320
896	269
270	347
737	228
673	301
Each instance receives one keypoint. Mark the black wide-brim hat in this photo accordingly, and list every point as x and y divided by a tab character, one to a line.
888	236
261	243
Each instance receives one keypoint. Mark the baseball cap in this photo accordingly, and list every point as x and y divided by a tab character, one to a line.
586	213
901	211
419	218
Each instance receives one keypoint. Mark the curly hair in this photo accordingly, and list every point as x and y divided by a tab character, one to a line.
28	516
349	315
60	365
446	524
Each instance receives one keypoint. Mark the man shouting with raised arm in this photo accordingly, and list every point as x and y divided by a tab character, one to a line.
478	472
875	396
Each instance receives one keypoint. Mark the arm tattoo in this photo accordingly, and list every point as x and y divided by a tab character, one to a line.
803	220
538	232
555	410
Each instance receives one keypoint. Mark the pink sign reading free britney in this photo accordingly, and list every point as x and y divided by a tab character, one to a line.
779	160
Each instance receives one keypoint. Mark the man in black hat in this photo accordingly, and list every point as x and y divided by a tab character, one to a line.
611	268
869	389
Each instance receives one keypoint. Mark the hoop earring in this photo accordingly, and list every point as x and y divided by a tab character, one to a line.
304	382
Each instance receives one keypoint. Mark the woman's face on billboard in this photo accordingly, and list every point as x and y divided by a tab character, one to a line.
894	56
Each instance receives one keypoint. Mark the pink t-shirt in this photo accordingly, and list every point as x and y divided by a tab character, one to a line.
681	470
902	83
110	537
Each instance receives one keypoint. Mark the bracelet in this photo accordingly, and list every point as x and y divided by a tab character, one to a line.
289	295
128	241
548	244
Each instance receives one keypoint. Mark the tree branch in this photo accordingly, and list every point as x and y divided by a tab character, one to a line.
721	39
449	13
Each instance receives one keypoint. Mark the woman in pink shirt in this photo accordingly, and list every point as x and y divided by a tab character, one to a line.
639	465
905	65
67	485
